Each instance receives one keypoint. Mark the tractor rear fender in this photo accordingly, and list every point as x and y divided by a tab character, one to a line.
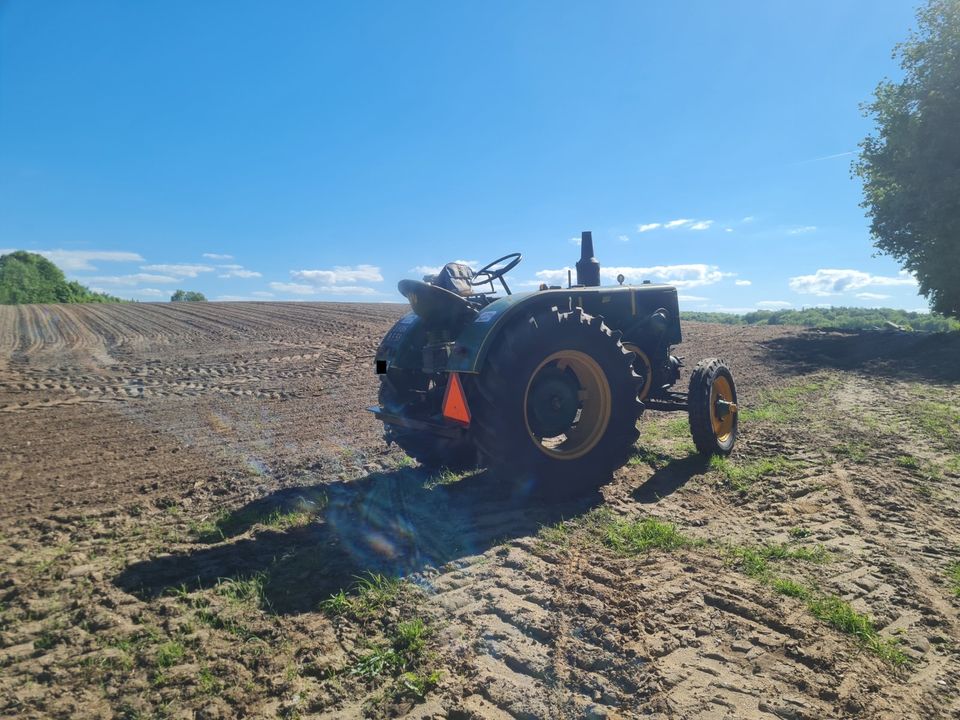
402	347
624	308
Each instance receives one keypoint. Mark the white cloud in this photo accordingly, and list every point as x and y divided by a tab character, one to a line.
130	280
575	241
802	230
339	274
872	296
72	260
263	294
682	276
685	223
434	269
742	283
179	269
623	238
648	227
237	271
748	219
674	224
302	289
150	292
217	256
691	298
834	282
773	304
728	229
701	225
233	298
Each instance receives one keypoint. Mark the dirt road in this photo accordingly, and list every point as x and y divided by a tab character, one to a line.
186	489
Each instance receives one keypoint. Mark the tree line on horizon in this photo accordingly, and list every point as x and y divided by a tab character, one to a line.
834	318
29	278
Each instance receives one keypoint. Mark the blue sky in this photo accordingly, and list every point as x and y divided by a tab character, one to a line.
323	151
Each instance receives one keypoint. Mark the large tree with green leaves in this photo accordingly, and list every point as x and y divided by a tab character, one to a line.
188	296
910	167
26	277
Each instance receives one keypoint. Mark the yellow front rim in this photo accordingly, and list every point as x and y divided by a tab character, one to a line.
593	413
643	363
722	426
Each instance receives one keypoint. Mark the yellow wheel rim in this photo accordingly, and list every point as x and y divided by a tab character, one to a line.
645	367
593	412
722	426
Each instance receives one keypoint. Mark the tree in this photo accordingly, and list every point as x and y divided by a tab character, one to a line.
911	167
187	296
27	277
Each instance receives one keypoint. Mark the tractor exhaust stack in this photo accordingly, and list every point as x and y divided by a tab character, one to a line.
588	269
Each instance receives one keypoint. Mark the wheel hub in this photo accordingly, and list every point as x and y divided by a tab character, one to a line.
553	401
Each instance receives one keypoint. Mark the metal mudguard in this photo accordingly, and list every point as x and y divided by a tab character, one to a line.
402	347
624	308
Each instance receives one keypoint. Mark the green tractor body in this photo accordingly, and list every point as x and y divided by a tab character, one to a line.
547	383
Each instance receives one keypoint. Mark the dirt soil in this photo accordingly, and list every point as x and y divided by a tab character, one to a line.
187	488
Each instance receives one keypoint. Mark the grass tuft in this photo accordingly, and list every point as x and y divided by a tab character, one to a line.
632	537
953	575
741	477
841	616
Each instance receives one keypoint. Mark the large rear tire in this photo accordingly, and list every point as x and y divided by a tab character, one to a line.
555	403
712	407
404	393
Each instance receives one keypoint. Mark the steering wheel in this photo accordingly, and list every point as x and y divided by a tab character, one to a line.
489	272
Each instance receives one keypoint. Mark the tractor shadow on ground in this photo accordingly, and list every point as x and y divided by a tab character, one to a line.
671	477
386	523
900	355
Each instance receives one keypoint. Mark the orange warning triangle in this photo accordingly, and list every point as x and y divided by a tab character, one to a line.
455	402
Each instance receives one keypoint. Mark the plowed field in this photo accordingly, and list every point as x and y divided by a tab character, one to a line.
198	519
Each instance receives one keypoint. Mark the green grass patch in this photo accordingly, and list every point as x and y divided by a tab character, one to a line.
559	534
244	590
841	616
953	577
633	537
169	654
371	593
791	588
907	461
742	476
229	524
785	403
443	477
754	561
857	451
940	421
799	533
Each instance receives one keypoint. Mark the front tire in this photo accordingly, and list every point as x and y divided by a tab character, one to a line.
556	402
712	407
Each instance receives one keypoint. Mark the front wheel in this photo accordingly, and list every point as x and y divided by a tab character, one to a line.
712	407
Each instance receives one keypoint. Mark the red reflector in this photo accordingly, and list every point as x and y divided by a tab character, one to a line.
455	402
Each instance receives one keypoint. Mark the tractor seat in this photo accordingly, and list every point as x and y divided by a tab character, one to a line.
435	305
456	278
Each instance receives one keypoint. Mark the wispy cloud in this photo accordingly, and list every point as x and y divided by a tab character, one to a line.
678	224
681	276
434	269
237	271
73	260
217	256
691	298
802	230
303	289
774	304
748	219
339	274
575	241
130	280
872	296
834	282
179	269
262	294
742	283
623	238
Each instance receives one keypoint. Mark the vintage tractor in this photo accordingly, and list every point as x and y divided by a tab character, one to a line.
547	384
